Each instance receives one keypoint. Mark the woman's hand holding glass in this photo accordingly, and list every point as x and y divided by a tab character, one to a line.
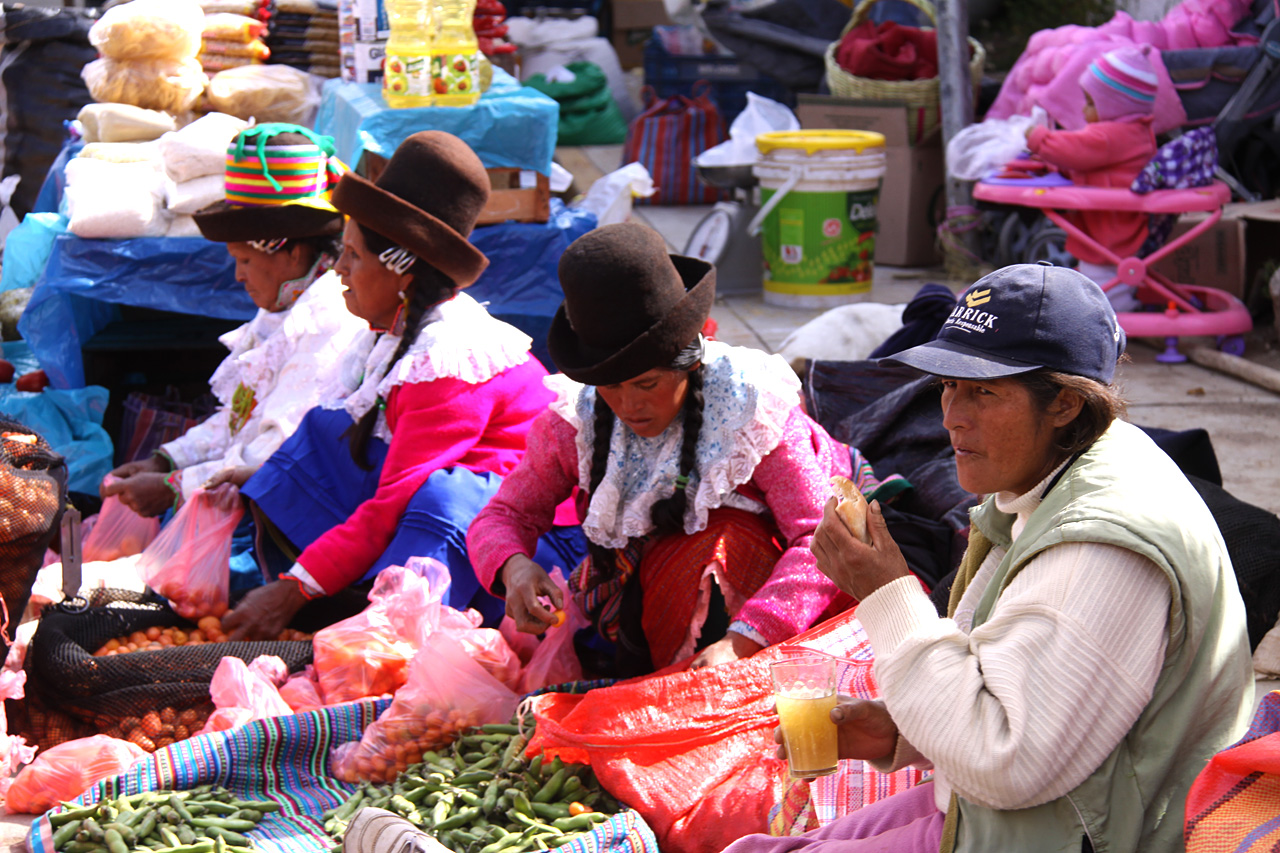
865	729
853	566
526	582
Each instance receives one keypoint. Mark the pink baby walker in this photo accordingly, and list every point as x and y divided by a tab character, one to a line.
1177	309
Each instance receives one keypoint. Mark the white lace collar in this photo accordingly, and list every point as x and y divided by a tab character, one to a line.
748	396
458	340
260	347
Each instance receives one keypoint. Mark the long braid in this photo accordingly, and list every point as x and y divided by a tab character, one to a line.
430	287
667	514
602	559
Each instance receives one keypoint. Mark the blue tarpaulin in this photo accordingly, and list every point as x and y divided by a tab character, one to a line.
511	126
71	421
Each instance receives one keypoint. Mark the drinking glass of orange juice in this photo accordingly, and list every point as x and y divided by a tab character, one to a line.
804	691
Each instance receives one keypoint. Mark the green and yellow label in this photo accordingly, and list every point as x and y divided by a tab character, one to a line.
820	243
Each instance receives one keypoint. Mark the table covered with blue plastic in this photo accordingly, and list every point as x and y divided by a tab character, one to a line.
511	126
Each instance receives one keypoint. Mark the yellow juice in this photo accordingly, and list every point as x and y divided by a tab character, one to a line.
809	733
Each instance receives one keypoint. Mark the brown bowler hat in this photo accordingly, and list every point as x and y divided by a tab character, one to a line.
426	200
629	306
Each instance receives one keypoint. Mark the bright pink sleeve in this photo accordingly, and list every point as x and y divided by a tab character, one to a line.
435	424
1094	146
525	506
796	481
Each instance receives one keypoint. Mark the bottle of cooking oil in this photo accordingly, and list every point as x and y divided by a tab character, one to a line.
406	73
455	55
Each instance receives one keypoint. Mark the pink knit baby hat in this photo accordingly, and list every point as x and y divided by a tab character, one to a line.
1122	83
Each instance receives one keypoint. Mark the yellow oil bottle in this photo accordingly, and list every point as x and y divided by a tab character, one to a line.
455	55
406	71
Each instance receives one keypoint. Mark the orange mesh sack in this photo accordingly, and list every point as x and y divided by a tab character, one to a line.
692	752
66	771
1233	804
447	693
189	562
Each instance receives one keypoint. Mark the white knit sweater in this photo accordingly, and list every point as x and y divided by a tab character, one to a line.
1022	709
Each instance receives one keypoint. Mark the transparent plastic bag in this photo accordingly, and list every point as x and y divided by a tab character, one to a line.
67	770
555	661
118	532
243	692
114	200
149	29
188	563
302	691
169	85
447	693
264	92
122	123
200	148
368	654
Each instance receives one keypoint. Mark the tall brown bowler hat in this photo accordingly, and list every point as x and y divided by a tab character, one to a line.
426	200
628	307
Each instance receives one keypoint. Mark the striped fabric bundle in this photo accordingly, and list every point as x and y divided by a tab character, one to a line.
286	759
279	175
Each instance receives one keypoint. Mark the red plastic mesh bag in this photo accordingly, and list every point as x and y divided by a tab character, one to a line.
188	563
1233	803
693	752
66	771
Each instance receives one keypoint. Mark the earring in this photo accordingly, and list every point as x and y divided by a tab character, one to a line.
402	296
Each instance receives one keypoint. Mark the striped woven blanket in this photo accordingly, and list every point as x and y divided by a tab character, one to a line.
286	759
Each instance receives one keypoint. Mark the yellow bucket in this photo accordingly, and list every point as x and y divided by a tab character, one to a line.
818	192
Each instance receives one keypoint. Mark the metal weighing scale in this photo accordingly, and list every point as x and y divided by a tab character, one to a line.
721	238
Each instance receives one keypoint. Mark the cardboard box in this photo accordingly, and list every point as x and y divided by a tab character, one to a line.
1229	255
633	23
913	179
371	21
368	61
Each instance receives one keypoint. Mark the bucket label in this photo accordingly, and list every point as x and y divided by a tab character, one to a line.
820	243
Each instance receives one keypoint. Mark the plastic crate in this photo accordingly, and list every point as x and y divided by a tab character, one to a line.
730	78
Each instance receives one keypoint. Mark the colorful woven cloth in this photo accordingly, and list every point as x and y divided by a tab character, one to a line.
286	759
1234	804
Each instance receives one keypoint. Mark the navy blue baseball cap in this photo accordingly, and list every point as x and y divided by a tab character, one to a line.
1021	318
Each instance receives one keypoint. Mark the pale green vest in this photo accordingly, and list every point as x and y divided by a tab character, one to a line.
1125	491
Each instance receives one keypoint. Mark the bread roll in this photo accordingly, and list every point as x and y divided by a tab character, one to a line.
852	507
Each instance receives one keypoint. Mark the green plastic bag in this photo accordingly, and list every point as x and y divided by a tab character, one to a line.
588	113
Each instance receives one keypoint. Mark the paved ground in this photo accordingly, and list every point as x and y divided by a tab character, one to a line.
1242	419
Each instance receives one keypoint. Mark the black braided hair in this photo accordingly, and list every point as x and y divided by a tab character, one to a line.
429	288
632	655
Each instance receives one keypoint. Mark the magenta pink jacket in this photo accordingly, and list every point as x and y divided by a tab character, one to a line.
1102	154
794	482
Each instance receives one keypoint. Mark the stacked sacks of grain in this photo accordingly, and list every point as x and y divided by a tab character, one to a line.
231	41
148	60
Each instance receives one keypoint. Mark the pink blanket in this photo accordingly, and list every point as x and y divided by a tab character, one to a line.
1048	70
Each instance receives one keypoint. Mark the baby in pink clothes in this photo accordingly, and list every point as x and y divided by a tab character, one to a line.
1110	151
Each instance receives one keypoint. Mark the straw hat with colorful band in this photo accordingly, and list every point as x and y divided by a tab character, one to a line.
426	200
278	181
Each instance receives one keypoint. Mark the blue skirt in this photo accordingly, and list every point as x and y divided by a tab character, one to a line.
311	484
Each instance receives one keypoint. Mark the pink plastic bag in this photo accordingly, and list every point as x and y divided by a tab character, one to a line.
555	661
447	693
118	532
188	563
302	691
244	692
14	751
67	770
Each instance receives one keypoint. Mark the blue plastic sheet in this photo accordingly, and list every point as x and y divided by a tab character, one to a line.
27	249
71	421
84	279
522	283
511	126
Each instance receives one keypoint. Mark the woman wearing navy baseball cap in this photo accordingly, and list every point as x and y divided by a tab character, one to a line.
1094	655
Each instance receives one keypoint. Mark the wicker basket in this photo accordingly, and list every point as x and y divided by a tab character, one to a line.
920	94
